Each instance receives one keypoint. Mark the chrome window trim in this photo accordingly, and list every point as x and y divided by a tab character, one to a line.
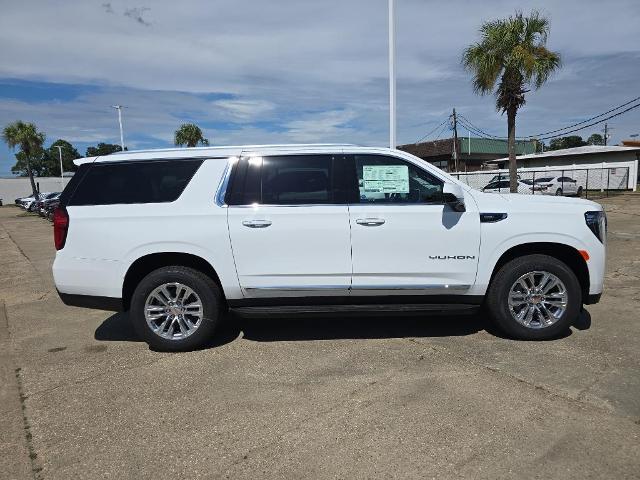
224	184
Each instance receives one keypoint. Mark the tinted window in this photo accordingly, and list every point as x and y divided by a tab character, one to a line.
545	179
383	179
492	185
299	179
133	182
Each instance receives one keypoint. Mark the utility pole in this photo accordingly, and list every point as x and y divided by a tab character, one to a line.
119	108
455	140
61	171
606	133
392	74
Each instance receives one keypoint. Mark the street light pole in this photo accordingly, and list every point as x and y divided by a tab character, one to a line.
119	108
61	170
392	74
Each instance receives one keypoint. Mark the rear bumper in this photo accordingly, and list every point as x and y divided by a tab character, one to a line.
90	301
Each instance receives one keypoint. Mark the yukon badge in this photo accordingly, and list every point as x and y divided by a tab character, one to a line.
452	257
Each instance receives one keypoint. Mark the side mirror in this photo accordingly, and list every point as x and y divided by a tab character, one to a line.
454	196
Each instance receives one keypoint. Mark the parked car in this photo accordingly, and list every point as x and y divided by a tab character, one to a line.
180	237
504	186
50	208
41	204
558	186
21	201
502	176
29	203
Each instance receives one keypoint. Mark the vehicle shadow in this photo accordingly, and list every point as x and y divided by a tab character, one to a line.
118	328
357	327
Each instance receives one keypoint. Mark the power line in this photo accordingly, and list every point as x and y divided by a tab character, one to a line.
441	131
437	127
482	133
594	123
589	119
563	131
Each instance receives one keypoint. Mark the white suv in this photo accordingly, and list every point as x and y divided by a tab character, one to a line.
179	237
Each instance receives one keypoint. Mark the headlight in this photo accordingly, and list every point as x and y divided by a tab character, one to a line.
597	223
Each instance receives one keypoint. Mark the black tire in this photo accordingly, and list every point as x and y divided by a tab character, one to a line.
201	284
558	192
579	191
498	295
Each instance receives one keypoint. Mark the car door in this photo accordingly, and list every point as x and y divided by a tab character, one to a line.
289	230
404	239
569	186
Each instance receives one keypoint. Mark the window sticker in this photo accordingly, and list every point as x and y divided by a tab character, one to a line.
386	178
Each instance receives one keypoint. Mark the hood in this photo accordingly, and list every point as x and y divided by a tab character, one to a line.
532	202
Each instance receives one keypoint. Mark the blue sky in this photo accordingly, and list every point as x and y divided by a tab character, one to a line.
291	71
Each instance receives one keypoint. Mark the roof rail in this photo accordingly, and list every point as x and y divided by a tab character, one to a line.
225	147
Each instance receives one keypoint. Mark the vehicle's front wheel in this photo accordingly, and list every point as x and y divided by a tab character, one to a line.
579	191
558	192
534	297
176	308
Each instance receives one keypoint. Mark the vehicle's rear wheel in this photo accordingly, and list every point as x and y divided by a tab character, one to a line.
176	308
579	191
534	297
559	192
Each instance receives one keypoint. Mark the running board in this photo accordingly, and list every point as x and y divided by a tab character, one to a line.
342	309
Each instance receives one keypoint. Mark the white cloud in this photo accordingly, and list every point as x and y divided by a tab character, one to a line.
251	110
317	126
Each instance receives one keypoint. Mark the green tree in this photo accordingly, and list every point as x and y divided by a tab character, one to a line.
52	161
511	57
595	139
571	141
103	149
189	134
36	160
27	137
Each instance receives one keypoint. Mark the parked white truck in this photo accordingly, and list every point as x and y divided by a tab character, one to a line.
178	237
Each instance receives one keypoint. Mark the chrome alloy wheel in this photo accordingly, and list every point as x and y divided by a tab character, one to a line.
173	311
537	299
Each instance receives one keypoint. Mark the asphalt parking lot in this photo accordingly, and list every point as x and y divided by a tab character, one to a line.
400	397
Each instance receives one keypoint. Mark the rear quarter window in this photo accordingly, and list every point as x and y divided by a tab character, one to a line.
148	181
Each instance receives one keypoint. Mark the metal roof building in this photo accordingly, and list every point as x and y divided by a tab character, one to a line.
472	151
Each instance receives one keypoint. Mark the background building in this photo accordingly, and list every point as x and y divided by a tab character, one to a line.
473	152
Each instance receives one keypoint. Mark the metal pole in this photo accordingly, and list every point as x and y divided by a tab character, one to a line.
61	170
586	185
392	74
119	108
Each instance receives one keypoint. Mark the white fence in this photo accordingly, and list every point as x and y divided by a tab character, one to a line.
12	188
591	179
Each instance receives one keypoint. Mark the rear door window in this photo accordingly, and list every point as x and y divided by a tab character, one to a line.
148	181
289	180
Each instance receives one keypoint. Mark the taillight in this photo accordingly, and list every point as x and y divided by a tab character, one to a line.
60	227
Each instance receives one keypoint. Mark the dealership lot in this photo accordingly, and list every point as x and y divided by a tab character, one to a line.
315	397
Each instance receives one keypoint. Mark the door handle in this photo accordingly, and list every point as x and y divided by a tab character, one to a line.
256	223
370	222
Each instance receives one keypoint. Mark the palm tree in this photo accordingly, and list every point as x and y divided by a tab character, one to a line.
512	53
29	139
189	134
